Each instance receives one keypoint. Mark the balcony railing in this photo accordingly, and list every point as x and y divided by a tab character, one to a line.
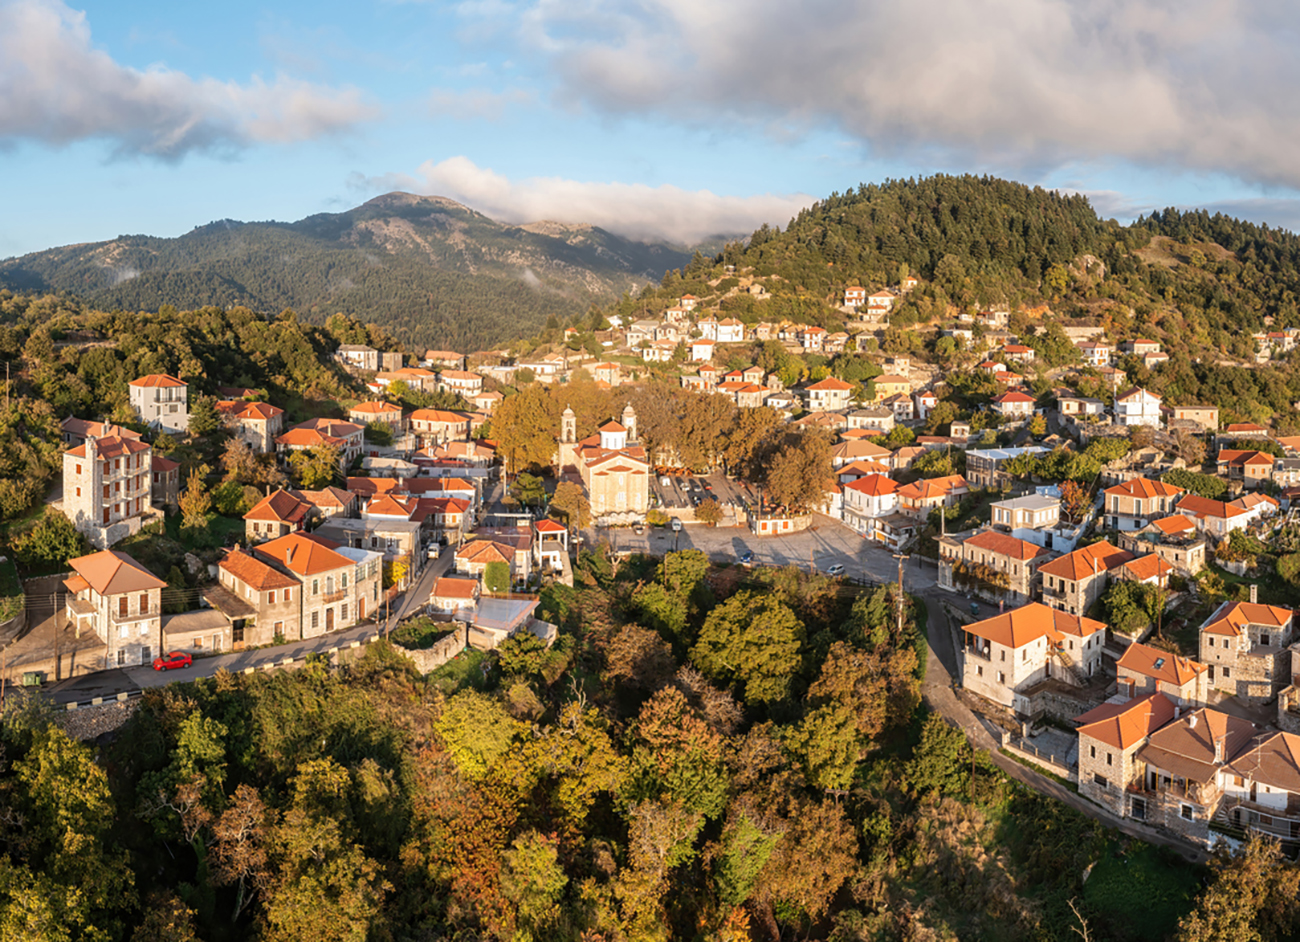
330	597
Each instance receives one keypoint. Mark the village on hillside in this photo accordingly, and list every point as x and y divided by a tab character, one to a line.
1090	517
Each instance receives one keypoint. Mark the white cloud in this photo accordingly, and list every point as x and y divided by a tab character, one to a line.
476	103
55	87
633	210
1019	84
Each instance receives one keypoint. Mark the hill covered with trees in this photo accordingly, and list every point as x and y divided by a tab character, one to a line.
430	271
704	754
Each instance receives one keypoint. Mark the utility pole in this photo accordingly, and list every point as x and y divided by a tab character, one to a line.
900	557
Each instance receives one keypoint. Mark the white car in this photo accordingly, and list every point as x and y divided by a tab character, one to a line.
433	551
835	569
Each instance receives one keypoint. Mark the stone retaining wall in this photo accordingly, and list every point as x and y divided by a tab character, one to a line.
430	659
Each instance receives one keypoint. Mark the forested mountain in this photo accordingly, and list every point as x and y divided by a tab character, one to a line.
430	271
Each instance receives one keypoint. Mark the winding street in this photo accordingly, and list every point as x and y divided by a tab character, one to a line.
937	689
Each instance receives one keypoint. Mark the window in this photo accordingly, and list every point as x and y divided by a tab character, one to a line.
78	492
106	490
1110	758
198	643
315	619
1003	657
1226	674
1263	639
1092	752
121	658
279	627
144	604
122	604
343	581
315	587
1002	678
117	464
1100	781
288	595
216	642
155	477
146	653
979	671
122	631
270	597
1186	812
343	611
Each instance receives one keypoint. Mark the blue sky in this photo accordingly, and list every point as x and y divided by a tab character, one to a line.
673	119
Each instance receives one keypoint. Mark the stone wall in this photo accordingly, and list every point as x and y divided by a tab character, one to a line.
1056	699
1118	770
429	659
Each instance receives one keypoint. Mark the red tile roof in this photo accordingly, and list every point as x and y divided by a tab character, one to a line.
1006	545
1125	725
110	572
254	573
1231	618
280	507
1083	563
1162	665
158	380
1143	488
1026	624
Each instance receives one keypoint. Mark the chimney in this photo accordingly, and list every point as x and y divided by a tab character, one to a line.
1254	594
1191	721
1218	751
288	556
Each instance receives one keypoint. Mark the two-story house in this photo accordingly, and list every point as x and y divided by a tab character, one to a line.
275	515
260	601
461	381
1110	737
1261	787
1093	354
1138	407
115	598
1252	468
258	424
1031	512
994	565
828	395
1136	502
1014	406
378	411
1181	785
1213	518
867	500
1008	653
455	596
161	402
1073	582
1143	670
917	499
1244	644
340	585
1175	539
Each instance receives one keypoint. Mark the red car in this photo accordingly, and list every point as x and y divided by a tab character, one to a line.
172	660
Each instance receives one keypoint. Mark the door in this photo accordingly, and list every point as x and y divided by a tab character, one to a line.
361	608
329	620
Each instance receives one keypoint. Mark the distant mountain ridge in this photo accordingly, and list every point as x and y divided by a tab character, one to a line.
431	271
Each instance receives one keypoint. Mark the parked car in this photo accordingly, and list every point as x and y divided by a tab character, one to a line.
433	551
677	524
172	660
639	530
835	569
747	557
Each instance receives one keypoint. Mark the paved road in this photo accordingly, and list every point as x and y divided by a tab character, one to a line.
110	683
937	688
